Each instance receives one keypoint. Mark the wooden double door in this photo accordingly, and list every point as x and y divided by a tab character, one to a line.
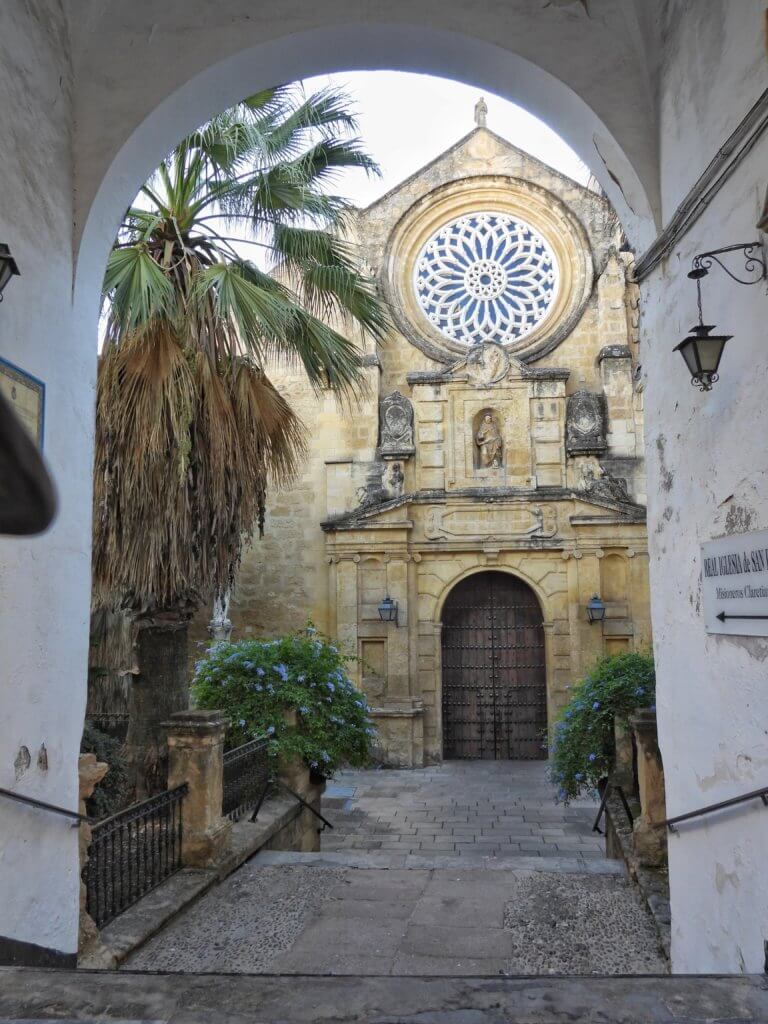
494	699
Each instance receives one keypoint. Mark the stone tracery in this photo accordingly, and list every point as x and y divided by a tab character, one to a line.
486	277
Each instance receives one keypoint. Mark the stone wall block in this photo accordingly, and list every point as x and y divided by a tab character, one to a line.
195	756
89	945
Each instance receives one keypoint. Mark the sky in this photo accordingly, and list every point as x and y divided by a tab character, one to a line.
406	120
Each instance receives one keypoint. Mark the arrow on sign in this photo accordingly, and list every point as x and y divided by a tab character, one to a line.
722	616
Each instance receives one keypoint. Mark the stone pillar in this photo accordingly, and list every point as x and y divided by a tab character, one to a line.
90	948
195	756
650	841
623	771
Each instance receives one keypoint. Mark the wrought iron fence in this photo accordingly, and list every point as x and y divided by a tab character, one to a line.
132	852
246	778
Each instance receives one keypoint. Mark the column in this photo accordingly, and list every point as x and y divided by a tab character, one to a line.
196	756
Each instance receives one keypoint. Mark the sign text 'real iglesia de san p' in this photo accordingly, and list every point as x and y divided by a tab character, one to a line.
735	584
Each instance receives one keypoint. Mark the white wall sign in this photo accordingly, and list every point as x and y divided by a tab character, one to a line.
734	577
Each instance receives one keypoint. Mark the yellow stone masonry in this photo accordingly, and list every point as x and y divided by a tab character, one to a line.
564	516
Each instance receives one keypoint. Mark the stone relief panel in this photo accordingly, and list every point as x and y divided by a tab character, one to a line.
500	523
585	423
396	426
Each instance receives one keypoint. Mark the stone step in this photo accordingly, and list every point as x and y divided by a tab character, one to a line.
475	861
33	995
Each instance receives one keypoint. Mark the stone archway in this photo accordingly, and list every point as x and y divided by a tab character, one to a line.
494	687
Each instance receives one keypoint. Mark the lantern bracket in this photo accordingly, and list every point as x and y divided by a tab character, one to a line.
754	263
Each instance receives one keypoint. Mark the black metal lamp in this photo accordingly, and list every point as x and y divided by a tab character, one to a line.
8	267
388	610
702	352
595	609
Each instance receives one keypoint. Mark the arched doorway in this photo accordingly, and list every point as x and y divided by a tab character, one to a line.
494	677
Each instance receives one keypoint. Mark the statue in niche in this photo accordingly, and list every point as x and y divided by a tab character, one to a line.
489	442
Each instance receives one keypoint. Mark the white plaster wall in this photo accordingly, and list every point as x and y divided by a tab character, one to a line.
708	475
43	581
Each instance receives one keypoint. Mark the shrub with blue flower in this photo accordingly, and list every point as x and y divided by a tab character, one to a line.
581	748
254	682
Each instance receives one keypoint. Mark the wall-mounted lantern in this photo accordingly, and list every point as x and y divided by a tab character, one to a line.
595	609
8	268
388	610
703	350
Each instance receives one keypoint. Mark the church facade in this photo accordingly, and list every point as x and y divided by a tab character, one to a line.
491	482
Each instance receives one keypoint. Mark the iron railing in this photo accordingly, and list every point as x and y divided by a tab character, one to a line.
246	779
672	823
132	852
612	788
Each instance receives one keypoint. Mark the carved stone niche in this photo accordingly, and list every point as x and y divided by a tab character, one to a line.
396	426
585	423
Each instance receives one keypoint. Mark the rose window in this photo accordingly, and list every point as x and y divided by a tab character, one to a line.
485	277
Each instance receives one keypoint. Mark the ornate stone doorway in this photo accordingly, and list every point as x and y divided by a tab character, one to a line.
494	678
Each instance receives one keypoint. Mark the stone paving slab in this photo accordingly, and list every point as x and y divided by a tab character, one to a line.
505	807
476	861
32	995
299	917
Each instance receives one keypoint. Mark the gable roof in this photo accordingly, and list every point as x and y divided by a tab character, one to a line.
463	143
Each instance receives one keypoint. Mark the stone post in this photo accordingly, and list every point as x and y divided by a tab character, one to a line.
195	756
650	842
623	770
90	948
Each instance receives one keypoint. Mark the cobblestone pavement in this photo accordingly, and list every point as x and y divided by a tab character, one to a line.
497	808
538	899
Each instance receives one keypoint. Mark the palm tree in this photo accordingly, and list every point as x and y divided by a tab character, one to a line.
189	429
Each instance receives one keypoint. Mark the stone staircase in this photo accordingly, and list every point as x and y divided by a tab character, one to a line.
35	995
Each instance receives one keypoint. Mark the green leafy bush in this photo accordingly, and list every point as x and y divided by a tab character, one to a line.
582	747
255	681
112	794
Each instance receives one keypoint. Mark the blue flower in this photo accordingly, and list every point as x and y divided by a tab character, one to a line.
282	671
247	664
270	730
592	757
569	713
330	686
579	776
371	731
596	705
639	692
241	722
270	688
311	630
304	710
259	672
325	755
334	650
301	678
258	688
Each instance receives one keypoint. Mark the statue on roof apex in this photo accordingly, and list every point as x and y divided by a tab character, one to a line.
481	113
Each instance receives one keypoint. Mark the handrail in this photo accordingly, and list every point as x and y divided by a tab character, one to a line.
32	802
309	807
670	823
610	788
